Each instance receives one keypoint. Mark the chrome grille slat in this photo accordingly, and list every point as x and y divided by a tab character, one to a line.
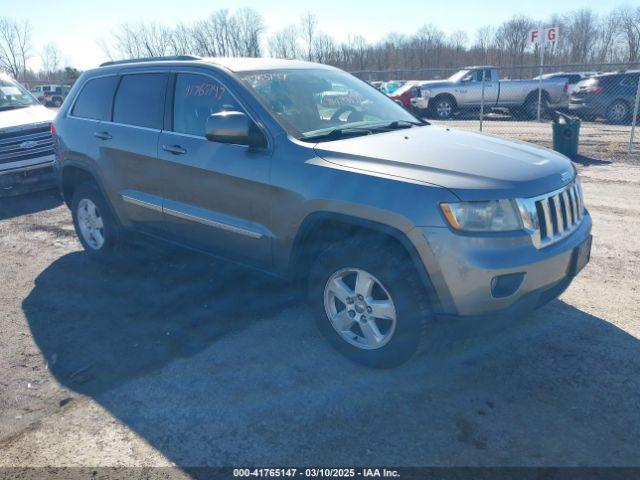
17	148
567	214
24	138
12	148
44	149
554	216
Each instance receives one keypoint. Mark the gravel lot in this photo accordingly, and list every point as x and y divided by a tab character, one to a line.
170	358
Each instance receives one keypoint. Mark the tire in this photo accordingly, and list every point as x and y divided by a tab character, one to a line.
397	293
443	109
618	112
96	229
530	107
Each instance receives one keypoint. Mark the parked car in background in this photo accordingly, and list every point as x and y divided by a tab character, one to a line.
405	93
26	146
463	91
51	95
389	222
391	86
572	78
56	96
609	95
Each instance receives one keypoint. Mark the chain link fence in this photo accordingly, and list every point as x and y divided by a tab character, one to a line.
522	101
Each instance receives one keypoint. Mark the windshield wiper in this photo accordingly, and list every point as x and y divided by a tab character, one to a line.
338	133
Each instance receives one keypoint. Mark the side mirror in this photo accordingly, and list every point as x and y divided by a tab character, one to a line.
233	127
467	78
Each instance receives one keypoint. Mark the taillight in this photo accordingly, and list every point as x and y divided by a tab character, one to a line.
565	89
52	129
593	89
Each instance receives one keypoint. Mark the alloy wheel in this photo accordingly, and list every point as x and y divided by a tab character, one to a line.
90	223
360	308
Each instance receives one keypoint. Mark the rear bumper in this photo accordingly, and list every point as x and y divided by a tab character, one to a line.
39	175
463	267
587	106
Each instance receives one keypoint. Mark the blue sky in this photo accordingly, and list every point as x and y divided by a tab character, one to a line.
75	25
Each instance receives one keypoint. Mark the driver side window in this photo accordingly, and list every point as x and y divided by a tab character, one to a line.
197	97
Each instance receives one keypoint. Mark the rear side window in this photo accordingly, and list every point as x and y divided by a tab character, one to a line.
196	98
630	80
140	100
95	98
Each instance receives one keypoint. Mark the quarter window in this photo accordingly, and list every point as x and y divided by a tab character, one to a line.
196	98
140	100
95	99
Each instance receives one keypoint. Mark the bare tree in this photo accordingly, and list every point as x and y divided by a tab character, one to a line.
629	21
249	26
308	30
51	58
284	43
15	46
513	37
581	33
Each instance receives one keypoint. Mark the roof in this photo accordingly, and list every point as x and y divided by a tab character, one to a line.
237	64
247	64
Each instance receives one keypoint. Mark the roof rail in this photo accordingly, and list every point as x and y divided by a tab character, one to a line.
150	59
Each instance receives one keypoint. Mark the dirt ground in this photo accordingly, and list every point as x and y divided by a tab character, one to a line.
170	358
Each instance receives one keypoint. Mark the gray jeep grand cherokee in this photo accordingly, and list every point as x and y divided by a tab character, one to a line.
306	172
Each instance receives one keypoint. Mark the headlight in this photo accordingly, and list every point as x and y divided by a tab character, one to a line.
491	216
426	93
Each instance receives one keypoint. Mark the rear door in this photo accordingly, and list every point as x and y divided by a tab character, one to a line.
129	153
219	196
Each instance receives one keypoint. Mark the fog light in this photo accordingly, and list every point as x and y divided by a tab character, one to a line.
506	285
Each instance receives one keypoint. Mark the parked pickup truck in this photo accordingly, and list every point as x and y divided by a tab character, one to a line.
463	91
26	145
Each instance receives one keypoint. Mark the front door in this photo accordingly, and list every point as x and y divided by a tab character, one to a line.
218	196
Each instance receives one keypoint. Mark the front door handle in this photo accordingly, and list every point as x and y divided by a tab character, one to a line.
102	135
175	149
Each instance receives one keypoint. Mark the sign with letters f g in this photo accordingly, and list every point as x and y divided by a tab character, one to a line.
547	35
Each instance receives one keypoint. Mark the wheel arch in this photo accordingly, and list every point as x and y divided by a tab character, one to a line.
449	96
74	174
320	229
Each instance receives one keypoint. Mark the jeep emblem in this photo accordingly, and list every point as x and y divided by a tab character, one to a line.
565	176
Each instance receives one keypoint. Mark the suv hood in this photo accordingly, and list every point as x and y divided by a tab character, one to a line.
473	166
10	119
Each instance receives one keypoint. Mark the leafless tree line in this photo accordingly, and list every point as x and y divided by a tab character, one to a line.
585	38
222	34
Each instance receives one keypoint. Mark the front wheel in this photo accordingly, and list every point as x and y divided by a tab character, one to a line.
443	108
94	224
369	301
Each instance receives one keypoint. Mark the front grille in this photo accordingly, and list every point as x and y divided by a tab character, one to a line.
25	144
554	216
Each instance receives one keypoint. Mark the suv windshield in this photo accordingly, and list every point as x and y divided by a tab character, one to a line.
324	103
13	95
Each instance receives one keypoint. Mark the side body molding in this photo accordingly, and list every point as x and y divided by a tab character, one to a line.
195	214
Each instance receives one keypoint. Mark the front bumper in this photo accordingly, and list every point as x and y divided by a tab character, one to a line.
462	267
40	175
421	103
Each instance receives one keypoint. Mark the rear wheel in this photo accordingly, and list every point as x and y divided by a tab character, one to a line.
95	226
530	107
618	112
369	302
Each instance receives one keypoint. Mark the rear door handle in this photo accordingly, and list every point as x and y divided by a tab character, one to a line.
175	149
102	135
